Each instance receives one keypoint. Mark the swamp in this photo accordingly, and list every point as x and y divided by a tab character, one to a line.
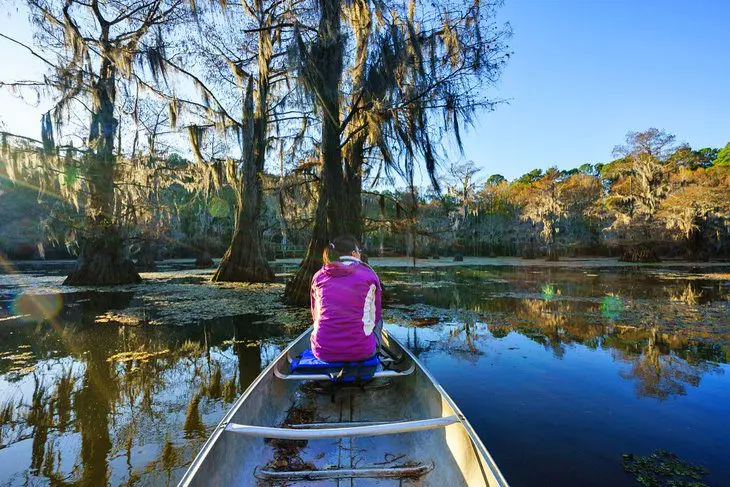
196	161
573	373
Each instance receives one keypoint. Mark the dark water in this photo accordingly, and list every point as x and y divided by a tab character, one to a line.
560	371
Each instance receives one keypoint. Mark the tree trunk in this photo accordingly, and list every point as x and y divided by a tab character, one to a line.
353	190
330	216
694	243
203	260
643	252
245	259
146	257
102	261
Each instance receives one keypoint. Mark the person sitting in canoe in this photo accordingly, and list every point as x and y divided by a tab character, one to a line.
346	304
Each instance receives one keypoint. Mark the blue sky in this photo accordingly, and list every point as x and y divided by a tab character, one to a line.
583	74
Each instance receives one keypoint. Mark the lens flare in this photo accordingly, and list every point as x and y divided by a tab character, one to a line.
37	307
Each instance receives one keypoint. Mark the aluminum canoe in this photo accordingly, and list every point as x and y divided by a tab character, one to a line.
399	429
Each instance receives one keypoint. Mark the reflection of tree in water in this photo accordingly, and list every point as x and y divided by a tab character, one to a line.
193	425
248	349
659	372
114	389
550	323
39	418
93	405
663	364
464	340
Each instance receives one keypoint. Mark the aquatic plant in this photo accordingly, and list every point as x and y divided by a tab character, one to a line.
286	452
663	468
139	356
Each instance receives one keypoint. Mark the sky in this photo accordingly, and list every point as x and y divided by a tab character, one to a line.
583	73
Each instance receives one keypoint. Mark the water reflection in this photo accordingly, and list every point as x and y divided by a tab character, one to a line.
86	402
147	395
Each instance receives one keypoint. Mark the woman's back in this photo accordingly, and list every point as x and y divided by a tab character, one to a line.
345	309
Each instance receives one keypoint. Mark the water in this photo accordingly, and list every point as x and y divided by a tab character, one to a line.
559	370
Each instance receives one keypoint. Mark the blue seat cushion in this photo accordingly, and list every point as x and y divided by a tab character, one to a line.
307	363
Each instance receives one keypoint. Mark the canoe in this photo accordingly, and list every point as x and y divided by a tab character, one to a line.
399	429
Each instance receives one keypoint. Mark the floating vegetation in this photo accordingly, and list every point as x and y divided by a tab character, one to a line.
121	319
16	357
663	469
689	295
190	348
425	321
21	364
246	343
173	297
14	317
440	284
139	357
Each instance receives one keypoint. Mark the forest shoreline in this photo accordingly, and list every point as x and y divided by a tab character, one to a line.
572	262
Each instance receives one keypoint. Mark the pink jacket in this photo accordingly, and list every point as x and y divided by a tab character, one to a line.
346	307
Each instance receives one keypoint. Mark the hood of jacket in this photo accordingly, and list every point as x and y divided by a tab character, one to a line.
340	269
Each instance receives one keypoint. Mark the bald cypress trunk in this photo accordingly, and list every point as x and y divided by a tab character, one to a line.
353	190
330	216
245	260
102	261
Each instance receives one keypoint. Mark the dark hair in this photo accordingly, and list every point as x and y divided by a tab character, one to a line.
340	247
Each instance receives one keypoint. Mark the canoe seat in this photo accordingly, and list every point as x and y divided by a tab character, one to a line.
306	364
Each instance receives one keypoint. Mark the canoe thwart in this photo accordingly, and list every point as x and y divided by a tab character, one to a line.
345	473
336	425
350	432
383	373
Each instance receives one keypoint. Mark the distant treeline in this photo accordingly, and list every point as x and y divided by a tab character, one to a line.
657	199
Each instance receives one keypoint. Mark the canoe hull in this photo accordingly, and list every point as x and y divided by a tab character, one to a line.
445	455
